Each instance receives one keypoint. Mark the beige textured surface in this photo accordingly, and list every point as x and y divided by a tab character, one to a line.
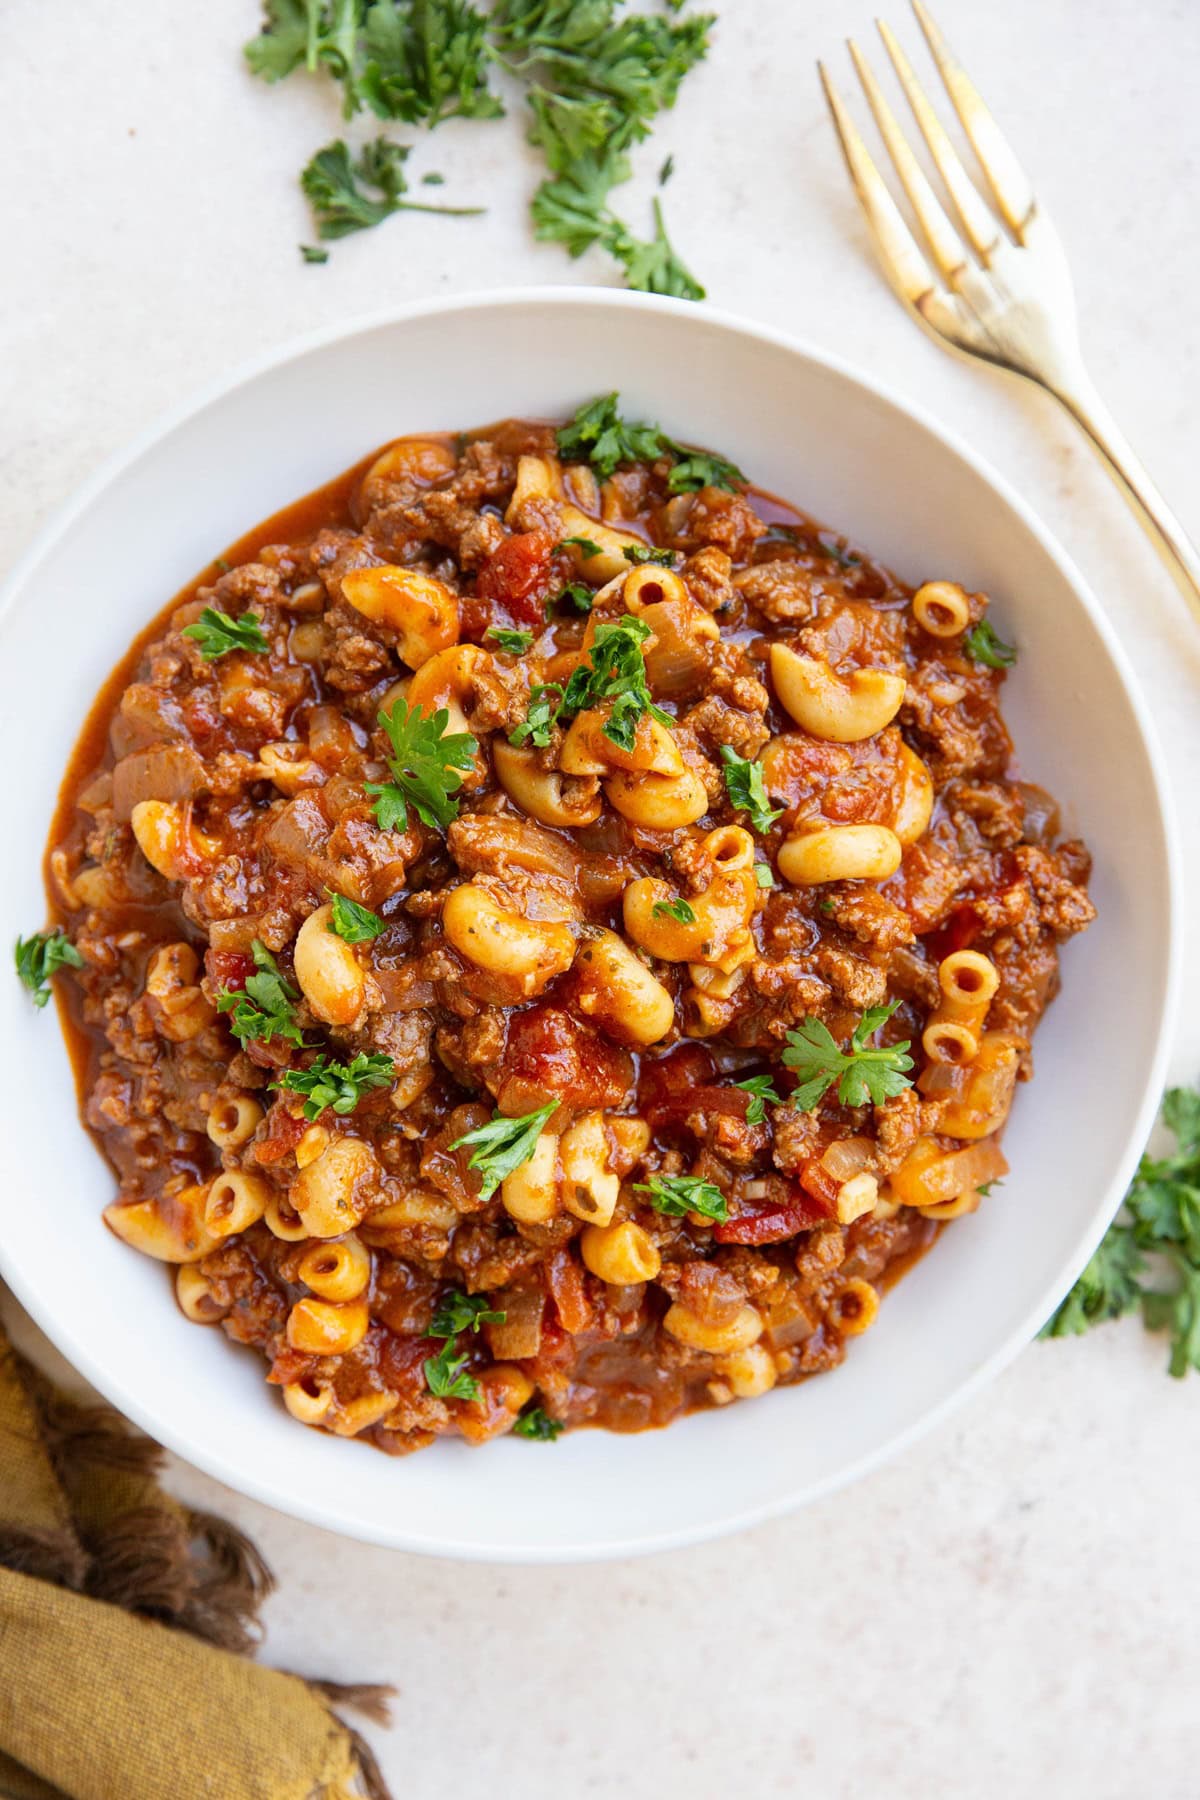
1010	1609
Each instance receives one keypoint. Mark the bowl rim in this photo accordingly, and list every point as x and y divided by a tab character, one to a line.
290	1502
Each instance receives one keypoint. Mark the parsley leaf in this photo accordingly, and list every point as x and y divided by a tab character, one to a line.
457	1312
616	672
862	1073
678	1195
338	1085
445	1375
513	643
537	1424
353	923
594	84
426	763
425	61
1160	1221
599	435
761	1089
315	33
263	1009
38	957
541	717
744	785
1107	1288
339	205
763	875
503	1144
313	253
575	594
584	545
215	633
674	909
637	554
982	645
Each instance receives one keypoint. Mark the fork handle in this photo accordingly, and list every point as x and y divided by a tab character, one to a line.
1176	550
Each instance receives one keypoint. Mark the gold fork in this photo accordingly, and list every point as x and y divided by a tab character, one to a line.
1005	293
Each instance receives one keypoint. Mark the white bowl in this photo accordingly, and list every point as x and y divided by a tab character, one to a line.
807	428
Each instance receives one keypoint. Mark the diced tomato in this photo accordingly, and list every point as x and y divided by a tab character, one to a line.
228	968
731	1102
772	1224
284	1131
550	1054
665	1079
517	576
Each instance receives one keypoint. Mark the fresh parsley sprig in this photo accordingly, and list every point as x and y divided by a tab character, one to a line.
513	643
761	1089
1150	1256
446	1376
353	923
265	1007
678	1195
585	546
38	957
426	762
679	909
336	183
745	787
598	434
982	645
457	1312
502	1145
615	672
338	1085
216	634
863	1072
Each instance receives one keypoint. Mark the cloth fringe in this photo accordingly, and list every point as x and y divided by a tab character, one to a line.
47	1555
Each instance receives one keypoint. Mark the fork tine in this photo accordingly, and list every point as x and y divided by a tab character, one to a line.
1006	178
948	250
903	263
977	221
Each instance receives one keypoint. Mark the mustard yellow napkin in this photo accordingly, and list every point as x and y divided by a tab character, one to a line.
124	1619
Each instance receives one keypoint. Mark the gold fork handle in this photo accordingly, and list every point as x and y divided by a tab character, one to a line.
1176	550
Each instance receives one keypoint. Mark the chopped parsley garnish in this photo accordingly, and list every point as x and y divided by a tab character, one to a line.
264	1008
1160	1219
594	84
426	764
576	594
216	634
637	554
537	1424
513	643
982	645
616	672
314	253
425	61
761	1089
744	785
38	957
763	875
674	909
338	1085
666	172
863	1072
354	923
457	1312
599	435
845	559
545	698
678	1195
503	1144
446	1377
335	183
584	545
